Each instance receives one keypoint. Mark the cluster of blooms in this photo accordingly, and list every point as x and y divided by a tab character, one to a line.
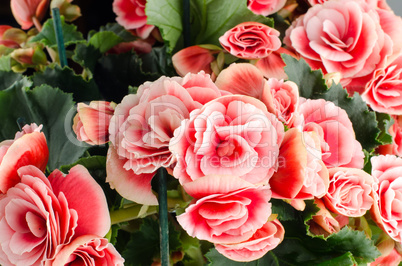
233	137
55	220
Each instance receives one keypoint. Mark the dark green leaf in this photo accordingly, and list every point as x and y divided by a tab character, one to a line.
7	78
47	35
104	40
66	80
86	56
158	62
384	123
144	244
119	31
217	259
91	163
312	85
115	73
284	210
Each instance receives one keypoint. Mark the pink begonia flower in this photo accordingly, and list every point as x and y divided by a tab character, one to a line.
268	237
91	123
391	258
338	143
272	66
88	250
265	7
323	223
347	37
232	135
39	215
226	209
350	192
384	91
372	3
25	11
301	173
193	59
143	124
29	147
131	15
250	40
386	211
285	99
281	98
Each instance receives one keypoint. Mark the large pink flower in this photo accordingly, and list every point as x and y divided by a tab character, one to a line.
384	91
338	143
386	209
268	237
347	37
350	192
226	209
265	7
29	147
89	250
39	215
143	125
91	123
251	40
131	15
25	11
301	173
232	135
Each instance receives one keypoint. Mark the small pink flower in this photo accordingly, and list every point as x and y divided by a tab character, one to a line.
29	147
350	192
91	123
265	7
384	91
131	15
251	40
39	214
143	124
268	237
338	143
25	11
193	59
89	250
232	135
285	99
388	195
301	173
225	209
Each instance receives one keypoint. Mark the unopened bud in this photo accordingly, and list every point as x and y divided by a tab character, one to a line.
332	78
69	11
15	35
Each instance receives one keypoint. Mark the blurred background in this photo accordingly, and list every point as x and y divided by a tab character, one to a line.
396	5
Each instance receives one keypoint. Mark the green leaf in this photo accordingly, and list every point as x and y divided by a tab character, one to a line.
119	30
345	259
213	18
104	40
362	248
169	21
8	78
384	123
42	105
86	56
312	86
144	244
48	37
158	63
66	80
284	210
91	163
5	63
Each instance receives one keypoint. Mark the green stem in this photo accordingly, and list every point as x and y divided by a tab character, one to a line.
131	213
163	217
59	36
